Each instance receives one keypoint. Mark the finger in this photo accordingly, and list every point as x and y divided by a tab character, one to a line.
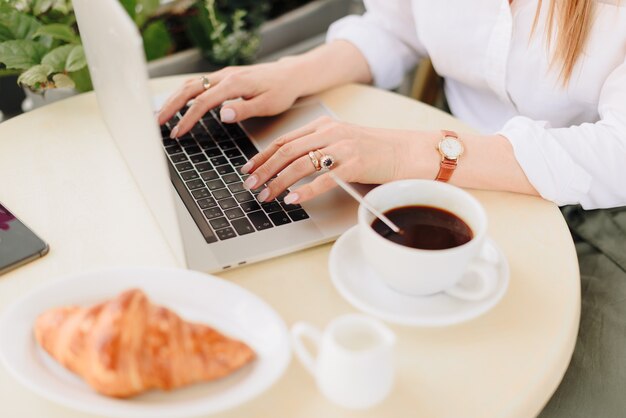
259	159
241	110
320	185
284	156
191	88
211	98
293	173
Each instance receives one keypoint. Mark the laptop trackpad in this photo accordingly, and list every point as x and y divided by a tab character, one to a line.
264	130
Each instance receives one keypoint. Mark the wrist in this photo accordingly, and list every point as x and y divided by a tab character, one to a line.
293	69
422	159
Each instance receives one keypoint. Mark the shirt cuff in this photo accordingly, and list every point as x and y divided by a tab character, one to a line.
547	165
380	52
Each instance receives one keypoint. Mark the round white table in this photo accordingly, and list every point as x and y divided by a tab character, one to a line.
62	175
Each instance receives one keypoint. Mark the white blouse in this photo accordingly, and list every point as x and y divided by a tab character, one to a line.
570	141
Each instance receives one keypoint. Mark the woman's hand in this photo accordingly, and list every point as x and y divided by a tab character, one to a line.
361	155
266	90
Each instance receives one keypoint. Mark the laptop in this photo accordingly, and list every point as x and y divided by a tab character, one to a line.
193	186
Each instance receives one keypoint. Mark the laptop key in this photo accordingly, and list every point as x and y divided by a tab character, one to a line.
238	161
219	160
213	152
221	194
298	215
242	226
232	153
183	166
202	167
168	142
279	218
209	175
290	207
271	207
231	178
178	158
200	193
189	175
207	203
260	220
174	149
225	169
213	213
215	184
227	203
250	206
234	130
226	233
193	150
227	145
234	213
186	141
235	187
243	197
248	148
194	184
219	223
198	158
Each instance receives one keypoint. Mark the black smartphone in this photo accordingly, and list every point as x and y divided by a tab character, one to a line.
18	244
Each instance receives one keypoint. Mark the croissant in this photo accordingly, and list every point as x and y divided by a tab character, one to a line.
127	346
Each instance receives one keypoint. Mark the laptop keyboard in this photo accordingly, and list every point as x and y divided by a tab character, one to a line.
204	166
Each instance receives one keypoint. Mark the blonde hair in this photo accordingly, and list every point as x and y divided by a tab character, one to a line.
573	21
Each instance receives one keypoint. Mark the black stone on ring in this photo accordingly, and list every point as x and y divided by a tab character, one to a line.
327	161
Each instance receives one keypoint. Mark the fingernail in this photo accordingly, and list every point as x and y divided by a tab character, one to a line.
250	182
227	114
264	195
291	198
174	133
247	167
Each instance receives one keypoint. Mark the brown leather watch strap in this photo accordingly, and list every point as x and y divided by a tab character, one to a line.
446	169
447	165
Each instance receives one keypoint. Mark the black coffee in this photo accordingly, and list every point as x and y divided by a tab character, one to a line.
425	227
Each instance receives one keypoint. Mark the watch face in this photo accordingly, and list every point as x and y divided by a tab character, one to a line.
451	148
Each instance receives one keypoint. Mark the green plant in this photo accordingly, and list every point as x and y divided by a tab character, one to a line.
227	30
38	40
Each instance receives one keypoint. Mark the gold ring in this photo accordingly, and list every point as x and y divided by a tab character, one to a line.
314	161
206	83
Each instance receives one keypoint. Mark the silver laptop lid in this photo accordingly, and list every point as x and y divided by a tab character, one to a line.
115	54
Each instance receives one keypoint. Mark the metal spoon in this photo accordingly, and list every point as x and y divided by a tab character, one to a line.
352	192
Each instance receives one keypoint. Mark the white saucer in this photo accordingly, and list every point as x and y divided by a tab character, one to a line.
362	288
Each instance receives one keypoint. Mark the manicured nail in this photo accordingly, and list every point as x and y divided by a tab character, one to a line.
247	167
228	115
174	133
250	182
291	198
264	195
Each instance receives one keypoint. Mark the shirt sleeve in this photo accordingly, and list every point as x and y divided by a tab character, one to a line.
387	38
584	164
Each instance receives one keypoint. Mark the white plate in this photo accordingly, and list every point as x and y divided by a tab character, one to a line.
362	288
194	296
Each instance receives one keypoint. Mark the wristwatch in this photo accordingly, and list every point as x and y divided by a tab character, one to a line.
451	148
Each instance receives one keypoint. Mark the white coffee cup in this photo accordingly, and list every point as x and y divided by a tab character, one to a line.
354	367
466	272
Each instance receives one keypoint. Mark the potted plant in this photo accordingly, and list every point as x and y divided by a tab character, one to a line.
39	39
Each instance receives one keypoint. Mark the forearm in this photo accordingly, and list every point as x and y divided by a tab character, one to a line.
488	163
327	66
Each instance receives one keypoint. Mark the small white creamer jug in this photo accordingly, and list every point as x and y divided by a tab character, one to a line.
354	366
